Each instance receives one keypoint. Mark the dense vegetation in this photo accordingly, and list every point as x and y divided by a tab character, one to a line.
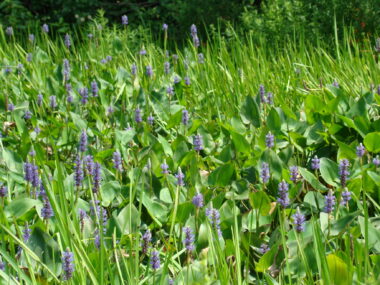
273	19
126	161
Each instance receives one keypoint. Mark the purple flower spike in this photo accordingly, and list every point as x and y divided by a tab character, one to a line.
82	217
9	31
67	264
360	150
97	177
26	233
146	240
315	163
167	67
170	90
53	102
294	174
185	117
138	116
346	196
83	141
329	202
344	171
283	194
264	248
198	200
187	81
189	239
376	161
214	218
78	174
31	38
180	177
165	168
270	98
165	27
124	20
265	174
134	69
155	260
299	221
11	107
198	142
262	94
117	161
67	41
47	210
83	92
269	140
45	28
149	71
150	119
94	88
27	115
3	191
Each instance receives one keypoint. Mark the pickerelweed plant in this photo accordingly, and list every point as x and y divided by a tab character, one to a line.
124	160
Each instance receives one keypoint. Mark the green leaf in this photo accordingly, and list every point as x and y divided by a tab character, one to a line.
19	207
339	274
260	200
329	171
128	220
274	120
309	177
240	142
12	160
343	223
222	176
372	142
250	112
108	191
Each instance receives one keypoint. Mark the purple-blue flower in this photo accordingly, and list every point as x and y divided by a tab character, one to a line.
265	174
329	202
346	196
262	94
3	191
167	67
149	71
294	174
53	102
78	174
124	20
9	31
198	200
94	88
27	115
150	119
269	140
376	161
97	177
360	150
283	194
47	210
185	117
165	27
198	142
67	264
134	69
138	116
299	221
31	38
180	177
164	168
67	41
83	141
117	161
189	239
155	260
45	28
315	163
264	248
344	171
146	240
214	219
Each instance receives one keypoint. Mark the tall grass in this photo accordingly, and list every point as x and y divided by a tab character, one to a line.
309	116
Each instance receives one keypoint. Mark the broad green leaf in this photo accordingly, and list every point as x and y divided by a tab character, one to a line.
372	142
240	142
329	171
260	200
222	176
128	220
20	206
339	273
309	177
274	120
250	112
